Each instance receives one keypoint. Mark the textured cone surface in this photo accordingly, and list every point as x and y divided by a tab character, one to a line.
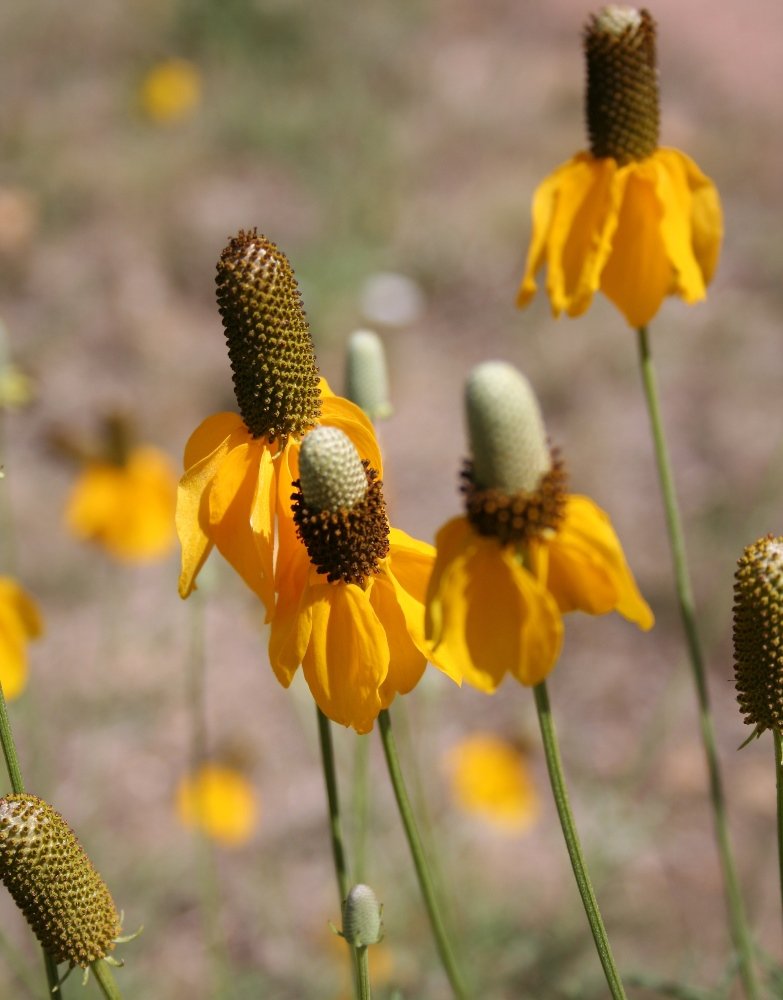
366	374
758	634
269	343
330	471
362	924
53	882
622	84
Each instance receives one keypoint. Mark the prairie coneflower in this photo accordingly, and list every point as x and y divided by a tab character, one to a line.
171	91
218	800
19	623
235	493
525	553
634	220
124	497
490	779
350	605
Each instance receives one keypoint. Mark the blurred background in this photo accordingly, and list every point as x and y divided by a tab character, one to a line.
391	149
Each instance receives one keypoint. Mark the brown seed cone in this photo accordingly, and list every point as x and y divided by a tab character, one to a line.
269	343
53	882
621	101
758	634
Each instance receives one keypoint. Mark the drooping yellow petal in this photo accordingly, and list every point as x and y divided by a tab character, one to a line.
20	622
583	225
587	568
348	656
638	274
706	221
287	470
406	660
674	195
219	801
487	615
544	201
208	446
292	621
349	418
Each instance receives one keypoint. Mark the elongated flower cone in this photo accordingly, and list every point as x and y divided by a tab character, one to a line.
45	868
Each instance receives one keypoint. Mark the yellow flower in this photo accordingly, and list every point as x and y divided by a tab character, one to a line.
634	220
220	802
171	91
490	779
235	493
525	554
126	508
350	605
19	623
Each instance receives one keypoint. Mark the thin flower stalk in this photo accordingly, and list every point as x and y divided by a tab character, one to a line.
363	964
423	874
557	780
737	919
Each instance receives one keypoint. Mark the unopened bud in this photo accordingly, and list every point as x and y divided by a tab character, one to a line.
362	923
366	376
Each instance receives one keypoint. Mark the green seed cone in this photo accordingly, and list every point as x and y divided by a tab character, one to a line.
362	921
269	343
53	882
621	101
366	375
758	634
330	471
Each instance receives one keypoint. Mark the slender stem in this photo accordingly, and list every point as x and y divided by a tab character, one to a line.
15	775
335	826
361	805
419	861
364	973
737	921
557	780
102	972
779	781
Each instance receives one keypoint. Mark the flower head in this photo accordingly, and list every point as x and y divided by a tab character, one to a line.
350	606
634	220
490	779
124	498
235	493
758	634
171	91
525	553
20	622
219	801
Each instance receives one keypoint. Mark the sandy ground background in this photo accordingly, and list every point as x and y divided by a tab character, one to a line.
404	137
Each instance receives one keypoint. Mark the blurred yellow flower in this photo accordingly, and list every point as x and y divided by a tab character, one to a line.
20	622
490	779
350	605
634	220
220	802
127	508
171	91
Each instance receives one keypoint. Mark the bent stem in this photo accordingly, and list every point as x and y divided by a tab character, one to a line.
737	920
419	861
557	780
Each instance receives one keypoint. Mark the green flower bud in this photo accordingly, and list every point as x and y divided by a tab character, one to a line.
362	920
366	376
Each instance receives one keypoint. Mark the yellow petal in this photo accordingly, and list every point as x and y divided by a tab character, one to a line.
638	274
192	514
489	614
673	191
706	221
349	418
20	622
544	201
406	661
292	621
587	568
348	655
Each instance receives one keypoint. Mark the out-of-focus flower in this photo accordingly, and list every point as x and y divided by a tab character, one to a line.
366	374
525	553
236	490
634	220
19	217
490	779
16	388
125	501
20	622
391	299
171	91
219	801
350	604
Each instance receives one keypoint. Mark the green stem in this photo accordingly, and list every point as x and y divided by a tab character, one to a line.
419	861
364	973
361	805
15	775
737	921
779	782
102	972
335	827
557	780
